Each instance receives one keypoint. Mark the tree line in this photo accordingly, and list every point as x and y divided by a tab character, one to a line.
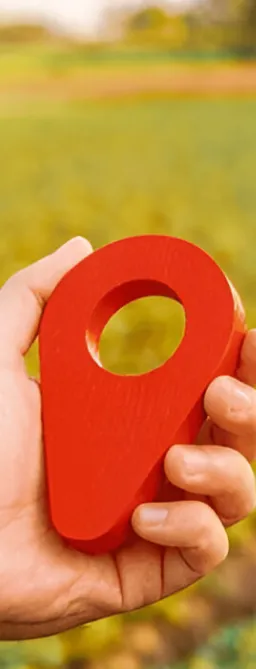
213	25
209	26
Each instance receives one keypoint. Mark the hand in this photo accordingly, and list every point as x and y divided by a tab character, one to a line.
46	587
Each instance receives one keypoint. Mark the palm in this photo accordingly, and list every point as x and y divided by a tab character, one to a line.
48	572
57	583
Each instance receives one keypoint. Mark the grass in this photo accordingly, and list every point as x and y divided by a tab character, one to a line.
18	60
64	71
112	169
106	171
38	62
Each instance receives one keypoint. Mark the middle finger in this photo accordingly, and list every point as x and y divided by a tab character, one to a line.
222	474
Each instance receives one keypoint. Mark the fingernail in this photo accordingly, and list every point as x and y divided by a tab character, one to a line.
152	514
240	398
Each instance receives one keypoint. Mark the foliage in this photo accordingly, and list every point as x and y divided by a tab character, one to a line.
232	648
154	25
238	19
209	27
35	653
19	33
213	25
151	18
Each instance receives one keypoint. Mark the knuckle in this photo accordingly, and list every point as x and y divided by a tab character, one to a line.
239	471
248	476
205	517
245	482
211	535
212	545
246	508
15	282
241	491
11	282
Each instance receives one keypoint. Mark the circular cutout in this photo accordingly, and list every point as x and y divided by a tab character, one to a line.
142	335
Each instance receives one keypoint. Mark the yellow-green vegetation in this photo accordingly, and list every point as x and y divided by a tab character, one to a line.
107	170
209	26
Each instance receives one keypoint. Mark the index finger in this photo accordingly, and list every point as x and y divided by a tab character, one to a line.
24	295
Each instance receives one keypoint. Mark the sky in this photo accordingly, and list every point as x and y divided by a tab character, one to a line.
81	15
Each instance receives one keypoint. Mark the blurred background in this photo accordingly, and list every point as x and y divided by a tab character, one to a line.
122	118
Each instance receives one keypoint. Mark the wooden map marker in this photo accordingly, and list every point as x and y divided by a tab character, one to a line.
106	435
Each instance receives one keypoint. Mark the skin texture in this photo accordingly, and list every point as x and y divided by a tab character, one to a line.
46	587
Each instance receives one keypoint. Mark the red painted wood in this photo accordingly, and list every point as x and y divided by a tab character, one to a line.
106	435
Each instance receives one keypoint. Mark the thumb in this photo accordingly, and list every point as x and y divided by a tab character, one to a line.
24	295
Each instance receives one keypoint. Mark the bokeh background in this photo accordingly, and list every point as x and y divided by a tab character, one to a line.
120	119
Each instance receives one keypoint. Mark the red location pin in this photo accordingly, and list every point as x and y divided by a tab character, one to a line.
106	435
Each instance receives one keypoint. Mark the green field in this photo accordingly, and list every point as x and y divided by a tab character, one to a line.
107	170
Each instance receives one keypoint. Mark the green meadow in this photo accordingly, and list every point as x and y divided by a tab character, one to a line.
105	169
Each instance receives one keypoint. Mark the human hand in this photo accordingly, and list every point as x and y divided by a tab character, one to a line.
45	586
